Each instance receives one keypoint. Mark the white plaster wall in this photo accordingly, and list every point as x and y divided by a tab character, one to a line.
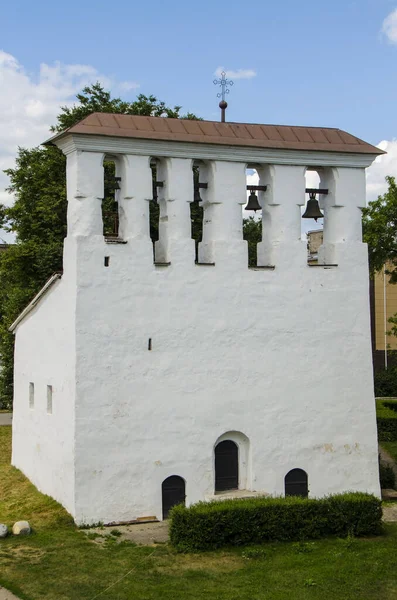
43	444
282	356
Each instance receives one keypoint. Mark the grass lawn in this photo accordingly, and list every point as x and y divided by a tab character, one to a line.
59	562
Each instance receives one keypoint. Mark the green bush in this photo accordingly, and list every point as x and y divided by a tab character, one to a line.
386	383
206	526
386	476
386	419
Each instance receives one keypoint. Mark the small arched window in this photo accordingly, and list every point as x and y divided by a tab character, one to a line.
296	483
173	493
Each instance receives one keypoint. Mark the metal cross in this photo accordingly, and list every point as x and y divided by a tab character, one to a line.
223	82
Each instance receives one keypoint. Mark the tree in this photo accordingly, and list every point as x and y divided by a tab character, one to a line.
38	215
252	232
380	231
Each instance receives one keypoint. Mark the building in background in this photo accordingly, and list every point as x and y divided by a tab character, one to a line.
314	241
383	298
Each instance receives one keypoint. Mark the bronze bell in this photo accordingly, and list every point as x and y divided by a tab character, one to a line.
312	209
253	203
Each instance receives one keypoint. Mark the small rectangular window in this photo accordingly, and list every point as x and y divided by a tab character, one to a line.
49	399
31	395
107	261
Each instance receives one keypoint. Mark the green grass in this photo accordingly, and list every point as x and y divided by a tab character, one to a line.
59	562
383	410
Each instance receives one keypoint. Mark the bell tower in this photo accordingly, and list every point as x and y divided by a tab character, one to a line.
184	374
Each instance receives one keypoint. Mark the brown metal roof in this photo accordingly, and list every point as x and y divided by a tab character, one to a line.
229	134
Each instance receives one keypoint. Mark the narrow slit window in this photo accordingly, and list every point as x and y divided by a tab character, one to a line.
31	395
49	399
107	261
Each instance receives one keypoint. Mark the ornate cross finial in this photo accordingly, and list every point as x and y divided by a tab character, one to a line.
223	82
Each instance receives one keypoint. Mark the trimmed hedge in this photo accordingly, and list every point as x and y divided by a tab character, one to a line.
385	381
386	418
386	477
207	526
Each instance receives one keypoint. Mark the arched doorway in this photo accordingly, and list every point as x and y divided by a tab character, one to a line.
226	466
296	483
173	492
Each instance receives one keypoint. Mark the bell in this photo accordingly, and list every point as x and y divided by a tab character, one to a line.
312	209
253	203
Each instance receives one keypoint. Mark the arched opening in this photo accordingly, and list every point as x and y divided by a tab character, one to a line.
110	202
252	217
196	209
154	207
226	466
296	483
173	493
312	229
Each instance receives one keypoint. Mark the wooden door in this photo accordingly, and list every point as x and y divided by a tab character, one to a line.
226	466
296	483
173	492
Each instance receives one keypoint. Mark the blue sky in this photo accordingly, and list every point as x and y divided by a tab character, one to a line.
301	63
317	62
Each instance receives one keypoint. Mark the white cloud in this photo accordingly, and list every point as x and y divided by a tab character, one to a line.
386	164
389	27
127	86
239	74
30	103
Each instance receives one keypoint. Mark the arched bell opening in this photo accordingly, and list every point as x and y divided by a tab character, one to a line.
252	215
196	207
110	202
173	492
312	222
226	466
154	207
296	483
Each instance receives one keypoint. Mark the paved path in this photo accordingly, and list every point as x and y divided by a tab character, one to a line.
146	534
6	595
5	419
390	513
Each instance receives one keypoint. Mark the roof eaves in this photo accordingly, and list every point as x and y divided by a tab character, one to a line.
353	145
57	136
35	300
